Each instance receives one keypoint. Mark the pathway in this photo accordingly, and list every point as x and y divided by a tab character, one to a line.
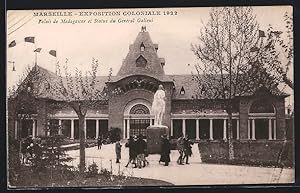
196	173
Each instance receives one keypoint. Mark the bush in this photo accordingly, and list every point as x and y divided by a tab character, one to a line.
106	173
14	165
114	134
92	170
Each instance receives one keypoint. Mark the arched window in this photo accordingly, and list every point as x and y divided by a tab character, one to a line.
139	109
142	47
261	106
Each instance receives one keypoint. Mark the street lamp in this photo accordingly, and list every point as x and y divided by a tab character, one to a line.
14	68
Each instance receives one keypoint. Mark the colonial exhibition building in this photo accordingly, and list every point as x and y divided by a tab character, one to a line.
258	115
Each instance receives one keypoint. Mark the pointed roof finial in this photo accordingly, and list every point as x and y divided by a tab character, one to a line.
143	29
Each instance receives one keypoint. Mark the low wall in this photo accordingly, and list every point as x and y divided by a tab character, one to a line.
258	153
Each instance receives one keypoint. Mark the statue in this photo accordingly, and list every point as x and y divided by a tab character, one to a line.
158	105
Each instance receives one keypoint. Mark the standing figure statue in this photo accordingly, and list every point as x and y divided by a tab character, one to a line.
158	105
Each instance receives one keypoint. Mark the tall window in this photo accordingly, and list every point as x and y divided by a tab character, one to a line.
204	128
139	126
76	129
191	128
90	129
142	47
177	128
66	127
218	129
262	127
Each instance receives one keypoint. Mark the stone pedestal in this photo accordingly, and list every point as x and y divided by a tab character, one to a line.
154	134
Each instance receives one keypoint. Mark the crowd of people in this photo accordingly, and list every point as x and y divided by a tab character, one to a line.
184	146
137	146
138	151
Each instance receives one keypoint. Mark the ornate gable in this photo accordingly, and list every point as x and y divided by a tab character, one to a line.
142	58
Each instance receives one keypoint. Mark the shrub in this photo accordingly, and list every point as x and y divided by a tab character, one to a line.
106	173
14	166
114	134
48	154
92	170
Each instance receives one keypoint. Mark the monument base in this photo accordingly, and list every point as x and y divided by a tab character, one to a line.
154	140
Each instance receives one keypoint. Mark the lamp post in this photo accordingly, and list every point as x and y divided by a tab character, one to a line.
14	68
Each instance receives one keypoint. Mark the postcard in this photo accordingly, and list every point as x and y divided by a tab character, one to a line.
150	97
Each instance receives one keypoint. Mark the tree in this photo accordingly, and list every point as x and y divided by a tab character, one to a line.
281	45
114	134
49	153
275	52
224	49
22	102
22	97
80	93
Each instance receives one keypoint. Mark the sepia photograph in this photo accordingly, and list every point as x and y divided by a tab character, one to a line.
142	97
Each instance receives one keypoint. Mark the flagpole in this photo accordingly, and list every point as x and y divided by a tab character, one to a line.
35	62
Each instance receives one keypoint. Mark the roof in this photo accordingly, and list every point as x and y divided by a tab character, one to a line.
142	61
187	83
43	82
192	89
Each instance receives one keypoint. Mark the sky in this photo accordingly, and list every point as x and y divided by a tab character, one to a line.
109	42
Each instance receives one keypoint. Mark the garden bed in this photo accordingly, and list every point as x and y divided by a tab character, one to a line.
75	180
251	153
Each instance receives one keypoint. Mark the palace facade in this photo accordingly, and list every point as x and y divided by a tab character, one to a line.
258	115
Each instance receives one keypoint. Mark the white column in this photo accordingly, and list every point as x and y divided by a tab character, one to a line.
60	129
237	129
97	128
33	128
274	130
211	129
270	129
253	129
197	129
48	130
172	127
224	130
16	129
128	128
249	137
124	129
151	123
183	127
72	128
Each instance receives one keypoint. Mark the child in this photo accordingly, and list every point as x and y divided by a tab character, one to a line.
118	151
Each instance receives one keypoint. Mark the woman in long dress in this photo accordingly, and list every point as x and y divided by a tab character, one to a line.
165	150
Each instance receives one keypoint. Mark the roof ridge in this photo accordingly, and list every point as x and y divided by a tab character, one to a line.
45	70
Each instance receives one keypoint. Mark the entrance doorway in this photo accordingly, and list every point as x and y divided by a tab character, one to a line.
139	126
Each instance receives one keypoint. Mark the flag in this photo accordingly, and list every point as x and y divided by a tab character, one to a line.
29	39
42	50
12	44
261	34
52	52
37	50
